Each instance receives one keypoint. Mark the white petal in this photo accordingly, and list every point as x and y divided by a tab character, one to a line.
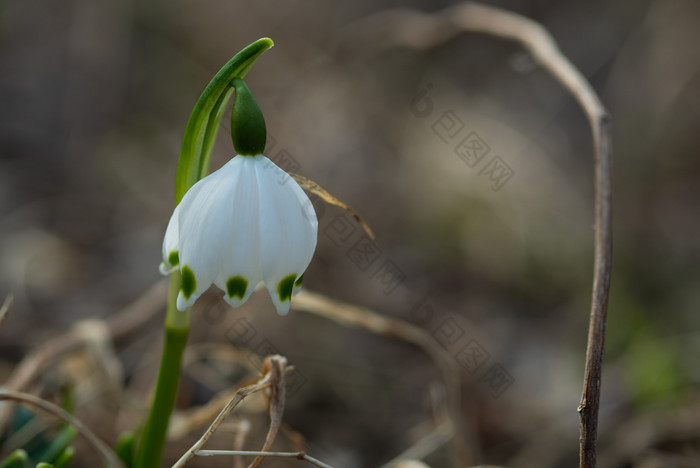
241	270
246	223
288	231
171	244
205	228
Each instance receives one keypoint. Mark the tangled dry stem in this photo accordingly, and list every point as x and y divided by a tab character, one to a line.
274	371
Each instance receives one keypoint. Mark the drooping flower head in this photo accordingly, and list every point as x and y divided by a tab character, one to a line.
246	223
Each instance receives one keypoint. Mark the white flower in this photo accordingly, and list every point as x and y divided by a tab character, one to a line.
247	223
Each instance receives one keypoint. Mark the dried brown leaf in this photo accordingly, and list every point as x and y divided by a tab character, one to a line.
316	189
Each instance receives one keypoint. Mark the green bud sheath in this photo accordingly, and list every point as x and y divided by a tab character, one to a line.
248	130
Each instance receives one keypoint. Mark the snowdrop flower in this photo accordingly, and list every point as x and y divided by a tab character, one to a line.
244	224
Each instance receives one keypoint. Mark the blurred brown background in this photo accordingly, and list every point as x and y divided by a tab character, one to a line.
94	98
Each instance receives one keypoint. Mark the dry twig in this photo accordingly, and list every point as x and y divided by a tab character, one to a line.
298	455
422	31
274	370
276	366
185	421
267	380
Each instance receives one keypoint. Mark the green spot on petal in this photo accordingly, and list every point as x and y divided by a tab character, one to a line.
236	287
188	283
299	280
284	289
174	258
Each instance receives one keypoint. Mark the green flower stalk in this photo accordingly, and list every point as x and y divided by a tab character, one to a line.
193	165
246	224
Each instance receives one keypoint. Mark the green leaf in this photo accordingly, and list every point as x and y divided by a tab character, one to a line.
57	446
44	465
204	120
17	459
64	458
126	448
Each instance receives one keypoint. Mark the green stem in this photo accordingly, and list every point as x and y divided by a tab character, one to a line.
177	326
197	143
